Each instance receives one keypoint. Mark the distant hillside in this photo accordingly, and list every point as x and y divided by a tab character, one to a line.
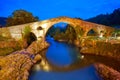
112	19
3	21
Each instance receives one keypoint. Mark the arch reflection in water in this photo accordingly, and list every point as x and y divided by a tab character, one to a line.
37	67
62	61
62	54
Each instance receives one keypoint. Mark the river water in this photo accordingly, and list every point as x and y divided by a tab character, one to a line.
62	61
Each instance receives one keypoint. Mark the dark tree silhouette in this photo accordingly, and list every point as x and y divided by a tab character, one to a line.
112	19
20	17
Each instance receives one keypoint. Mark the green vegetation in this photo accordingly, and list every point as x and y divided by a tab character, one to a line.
99	47
62	34
8	50
69	35
26	31
4	34
20	17
3	38
28	36
7	43
5	51
9	46
116	33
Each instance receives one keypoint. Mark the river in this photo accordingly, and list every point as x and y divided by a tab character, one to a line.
62	61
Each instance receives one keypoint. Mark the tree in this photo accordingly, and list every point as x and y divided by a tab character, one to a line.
112	19
70	33
20	17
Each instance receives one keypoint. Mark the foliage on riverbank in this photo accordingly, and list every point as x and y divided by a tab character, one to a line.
4	34
8	47
67	34
28	36
7	43
102	48
17	65
20	17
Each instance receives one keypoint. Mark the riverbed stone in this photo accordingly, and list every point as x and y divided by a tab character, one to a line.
15	66
106	72
37	46
37	58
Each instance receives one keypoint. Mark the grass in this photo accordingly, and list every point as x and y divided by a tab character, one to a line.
5	51
26	31
9	47
4	38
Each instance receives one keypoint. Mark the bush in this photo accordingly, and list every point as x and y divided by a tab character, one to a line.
26	31
8	47
5	34
28	36
20	17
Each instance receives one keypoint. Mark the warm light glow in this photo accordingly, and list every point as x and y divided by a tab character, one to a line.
118	38
42	63
34	26
45	65
101	35
37	67
46	68
82	56
44	25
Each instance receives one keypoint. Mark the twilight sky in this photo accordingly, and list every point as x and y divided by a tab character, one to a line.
46	9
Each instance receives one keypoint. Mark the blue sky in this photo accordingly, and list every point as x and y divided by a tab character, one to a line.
46	9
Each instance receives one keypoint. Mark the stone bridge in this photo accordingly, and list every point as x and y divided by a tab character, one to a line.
40	28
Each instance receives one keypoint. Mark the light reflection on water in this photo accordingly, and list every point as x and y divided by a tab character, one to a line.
87	73
63	62
62	53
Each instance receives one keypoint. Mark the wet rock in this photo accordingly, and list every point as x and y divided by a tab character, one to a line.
37	46
37	58
106	72
15	67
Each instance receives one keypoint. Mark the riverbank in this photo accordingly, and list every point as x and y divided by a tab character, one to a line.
106	72
107	49
9	46
103	48
16	66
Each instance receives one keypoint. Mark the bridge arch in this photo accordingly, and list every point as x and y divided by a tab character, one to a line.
59	30
67	23
40	28
75	23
